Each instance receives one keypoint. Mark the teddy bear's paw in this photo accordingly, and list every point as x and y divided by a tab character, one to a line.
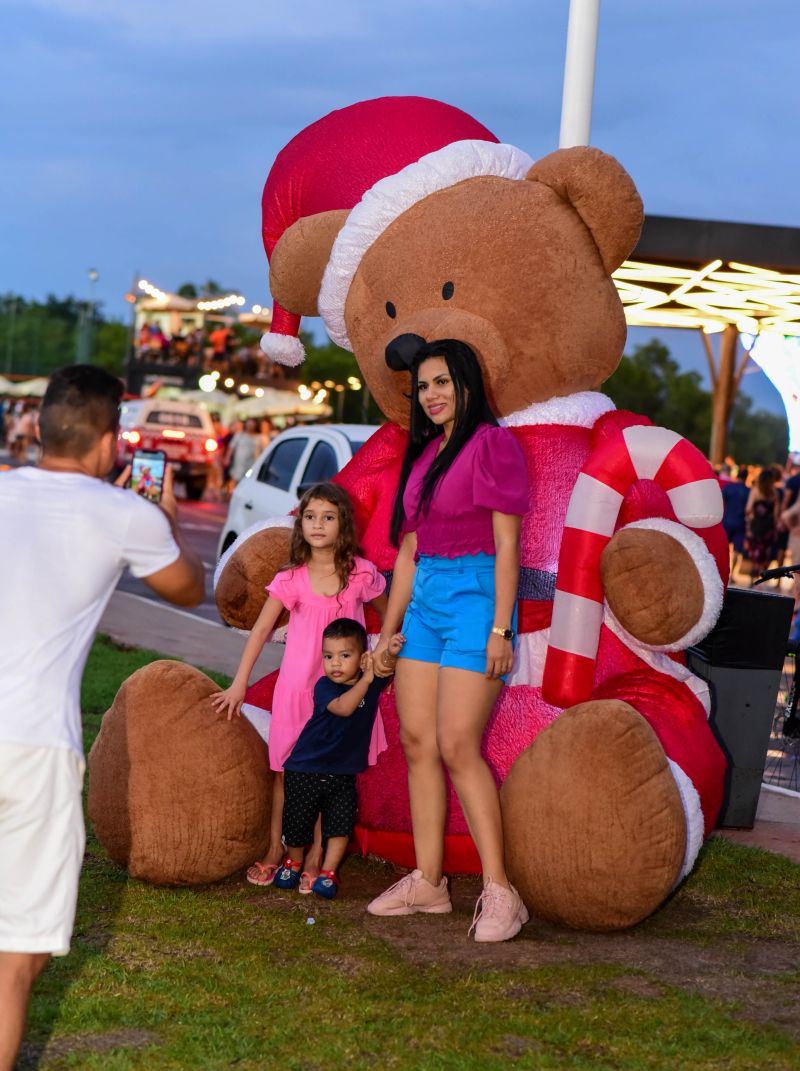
177	793
243	576
652	585
594	827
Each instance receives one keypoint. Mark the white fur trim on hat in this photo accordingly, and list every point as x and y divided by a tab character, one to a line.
283	349
713	588
390	197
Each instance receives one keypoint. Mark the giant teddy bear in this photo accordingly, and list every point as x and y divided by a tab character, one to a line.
404	219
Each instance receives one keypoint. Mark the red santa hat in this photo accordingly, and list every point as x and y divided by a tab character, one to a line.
334	162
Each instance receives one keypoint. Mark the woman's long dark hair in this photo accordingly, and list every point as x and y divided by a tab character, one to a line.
472	409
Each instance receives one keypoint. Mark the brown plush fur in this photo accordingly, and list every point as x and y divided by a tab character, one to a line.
241	589
651	585
178	794
596	782
298	261
531	290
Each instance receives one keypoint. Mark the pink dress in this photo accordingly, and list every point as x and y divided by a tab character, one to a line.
301	668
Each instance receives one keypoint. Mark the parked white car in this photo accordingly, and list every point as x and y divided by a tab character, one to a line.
292	462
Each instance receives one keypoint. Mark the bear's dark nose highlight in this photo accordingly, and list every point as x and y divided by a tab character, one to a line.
401	351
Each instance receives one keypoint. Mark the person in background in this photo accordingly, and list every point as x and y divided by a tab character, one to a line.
761	515
78	533
267	432
244	448
735	494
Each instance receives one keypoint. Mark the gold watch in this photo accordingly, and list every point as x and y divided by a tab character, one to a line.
506	633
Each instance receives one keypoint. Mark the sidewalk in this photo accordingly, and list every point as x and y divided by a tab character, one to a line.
140	622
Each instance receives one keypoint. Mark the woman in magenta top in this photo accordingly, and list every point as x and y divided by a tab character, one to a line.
463	490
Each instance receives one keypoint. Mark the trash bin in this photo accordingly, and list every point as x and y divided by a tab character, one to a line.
742	659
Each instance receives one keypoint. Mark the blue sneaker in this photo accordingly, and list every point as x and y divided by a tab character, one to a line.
326	885
288	876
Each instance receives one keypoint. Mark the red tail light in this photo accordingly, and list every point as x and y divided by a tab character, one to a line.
211	445
133	437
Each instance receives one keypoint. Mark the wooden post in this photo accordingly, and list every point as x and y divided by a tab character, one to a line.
725	390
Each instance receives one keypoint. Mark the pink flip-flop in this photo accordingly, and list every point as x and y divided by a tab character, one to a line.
306	881
262	873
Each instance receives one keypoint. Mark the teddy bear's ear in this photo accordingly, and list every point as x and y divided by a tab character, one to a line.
299	259
602	193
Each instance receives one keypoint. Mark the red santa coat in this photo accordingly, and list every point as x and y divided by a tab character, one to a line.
557	437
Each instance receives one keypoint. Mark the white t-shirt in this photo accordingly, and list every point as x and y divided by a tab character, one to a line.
65	539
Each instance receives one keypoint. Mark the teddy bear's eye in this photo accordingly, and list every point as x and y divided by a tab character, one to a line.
390	310
448	290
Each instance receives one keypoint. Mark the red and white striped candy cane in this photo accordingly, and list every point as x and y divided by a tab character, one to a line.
637	453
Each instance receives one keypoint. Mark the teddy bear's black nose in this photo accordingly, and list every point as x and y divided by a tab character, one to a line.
401	351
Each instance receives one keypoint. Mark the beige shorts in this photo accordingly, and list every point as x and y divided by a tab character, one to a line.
42	838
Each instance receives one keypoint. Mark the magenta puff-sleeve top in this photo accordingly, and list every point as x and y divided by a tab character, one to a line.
489	475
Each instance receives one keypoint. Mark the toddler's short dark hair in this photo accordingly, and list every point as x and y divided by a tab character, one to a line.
345	628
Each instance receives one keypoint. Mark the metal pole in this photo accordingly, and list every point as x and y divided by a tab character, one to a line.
579	67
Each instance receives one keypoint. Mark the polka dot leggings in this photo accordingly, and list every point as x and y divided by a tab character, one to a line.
307	795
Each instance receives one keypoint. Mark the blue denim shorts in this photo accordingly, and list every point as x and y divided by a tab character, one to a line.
451	612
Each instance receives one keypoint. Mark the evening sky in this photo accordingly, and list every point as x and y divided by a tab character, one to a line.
137	136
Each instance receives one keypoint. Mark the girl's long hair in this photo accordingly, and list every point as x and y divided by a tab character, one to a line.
472	409
346	546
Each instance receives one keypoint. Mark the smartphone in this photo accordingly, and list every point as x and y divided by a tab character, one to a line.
147	473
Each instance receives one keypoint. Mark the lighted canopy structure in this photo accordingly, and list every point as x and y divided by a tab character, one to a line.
739	282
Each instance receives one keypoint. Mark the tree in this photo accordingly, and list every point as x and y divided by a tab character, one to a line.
650	381
187	290
36	338
330	362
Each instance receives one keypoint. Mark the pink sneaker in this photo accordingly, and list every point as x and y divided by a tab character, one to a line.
411	894
499	913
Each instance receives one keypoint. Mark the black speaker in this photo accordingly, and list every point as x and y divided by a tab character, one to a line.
742	659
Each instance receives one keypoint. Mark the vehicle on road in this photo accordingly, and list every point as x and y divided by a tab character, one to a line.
292	462
183	430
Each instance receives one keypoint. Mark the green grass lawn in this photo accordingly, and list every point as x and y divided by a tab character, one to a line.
229	976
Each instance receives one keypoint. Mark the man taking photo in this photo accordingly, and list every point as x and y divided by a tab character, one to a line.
65	537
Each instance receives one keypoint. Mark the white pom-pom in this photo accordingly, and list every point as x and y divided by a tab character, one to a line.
283	349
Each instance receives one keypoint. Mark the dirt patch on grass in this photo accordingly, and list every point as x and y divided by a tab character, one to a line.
733	970
48	1055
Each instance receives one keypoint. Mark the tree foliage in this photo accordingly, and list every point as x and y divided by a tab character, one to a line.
38	337
650	381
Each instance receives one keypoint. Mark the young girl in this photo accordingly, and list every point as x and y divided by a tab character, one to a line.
323	580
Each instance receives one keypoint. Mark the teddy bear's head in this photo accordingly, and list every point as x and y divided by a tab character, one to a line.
515	260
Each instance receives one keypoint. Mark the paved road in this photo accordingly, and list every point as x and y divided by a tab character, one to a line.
200	523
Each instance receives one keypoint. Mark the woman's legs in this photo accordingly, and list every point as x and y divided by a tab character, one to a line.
465	702
275	851
416	686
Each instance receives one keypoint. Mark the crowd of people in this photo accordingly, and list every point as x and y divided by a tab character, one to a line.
18	419
761	515
218	349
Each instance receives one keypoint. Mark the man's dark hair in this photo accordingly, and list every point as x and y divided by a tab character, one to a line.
345	628
80	405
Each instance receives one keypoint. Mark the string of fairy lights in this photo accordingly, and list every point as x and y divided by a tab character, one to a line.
313	393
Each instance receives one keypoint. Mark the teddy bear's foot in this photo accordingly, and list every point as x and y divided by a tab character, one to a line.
594	826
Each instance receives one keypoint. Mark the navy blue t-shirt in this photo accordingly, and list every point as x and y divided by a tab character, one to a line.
331	744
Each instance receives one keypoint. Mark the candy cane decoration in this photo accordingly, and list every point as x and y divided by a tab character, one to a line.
638	453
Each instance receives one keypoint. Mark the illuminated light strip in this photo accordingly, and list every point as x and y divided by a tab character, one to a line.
694	279
710	298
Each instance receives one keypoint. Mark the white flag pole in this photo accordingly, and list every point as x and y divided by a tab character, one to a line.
576	103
